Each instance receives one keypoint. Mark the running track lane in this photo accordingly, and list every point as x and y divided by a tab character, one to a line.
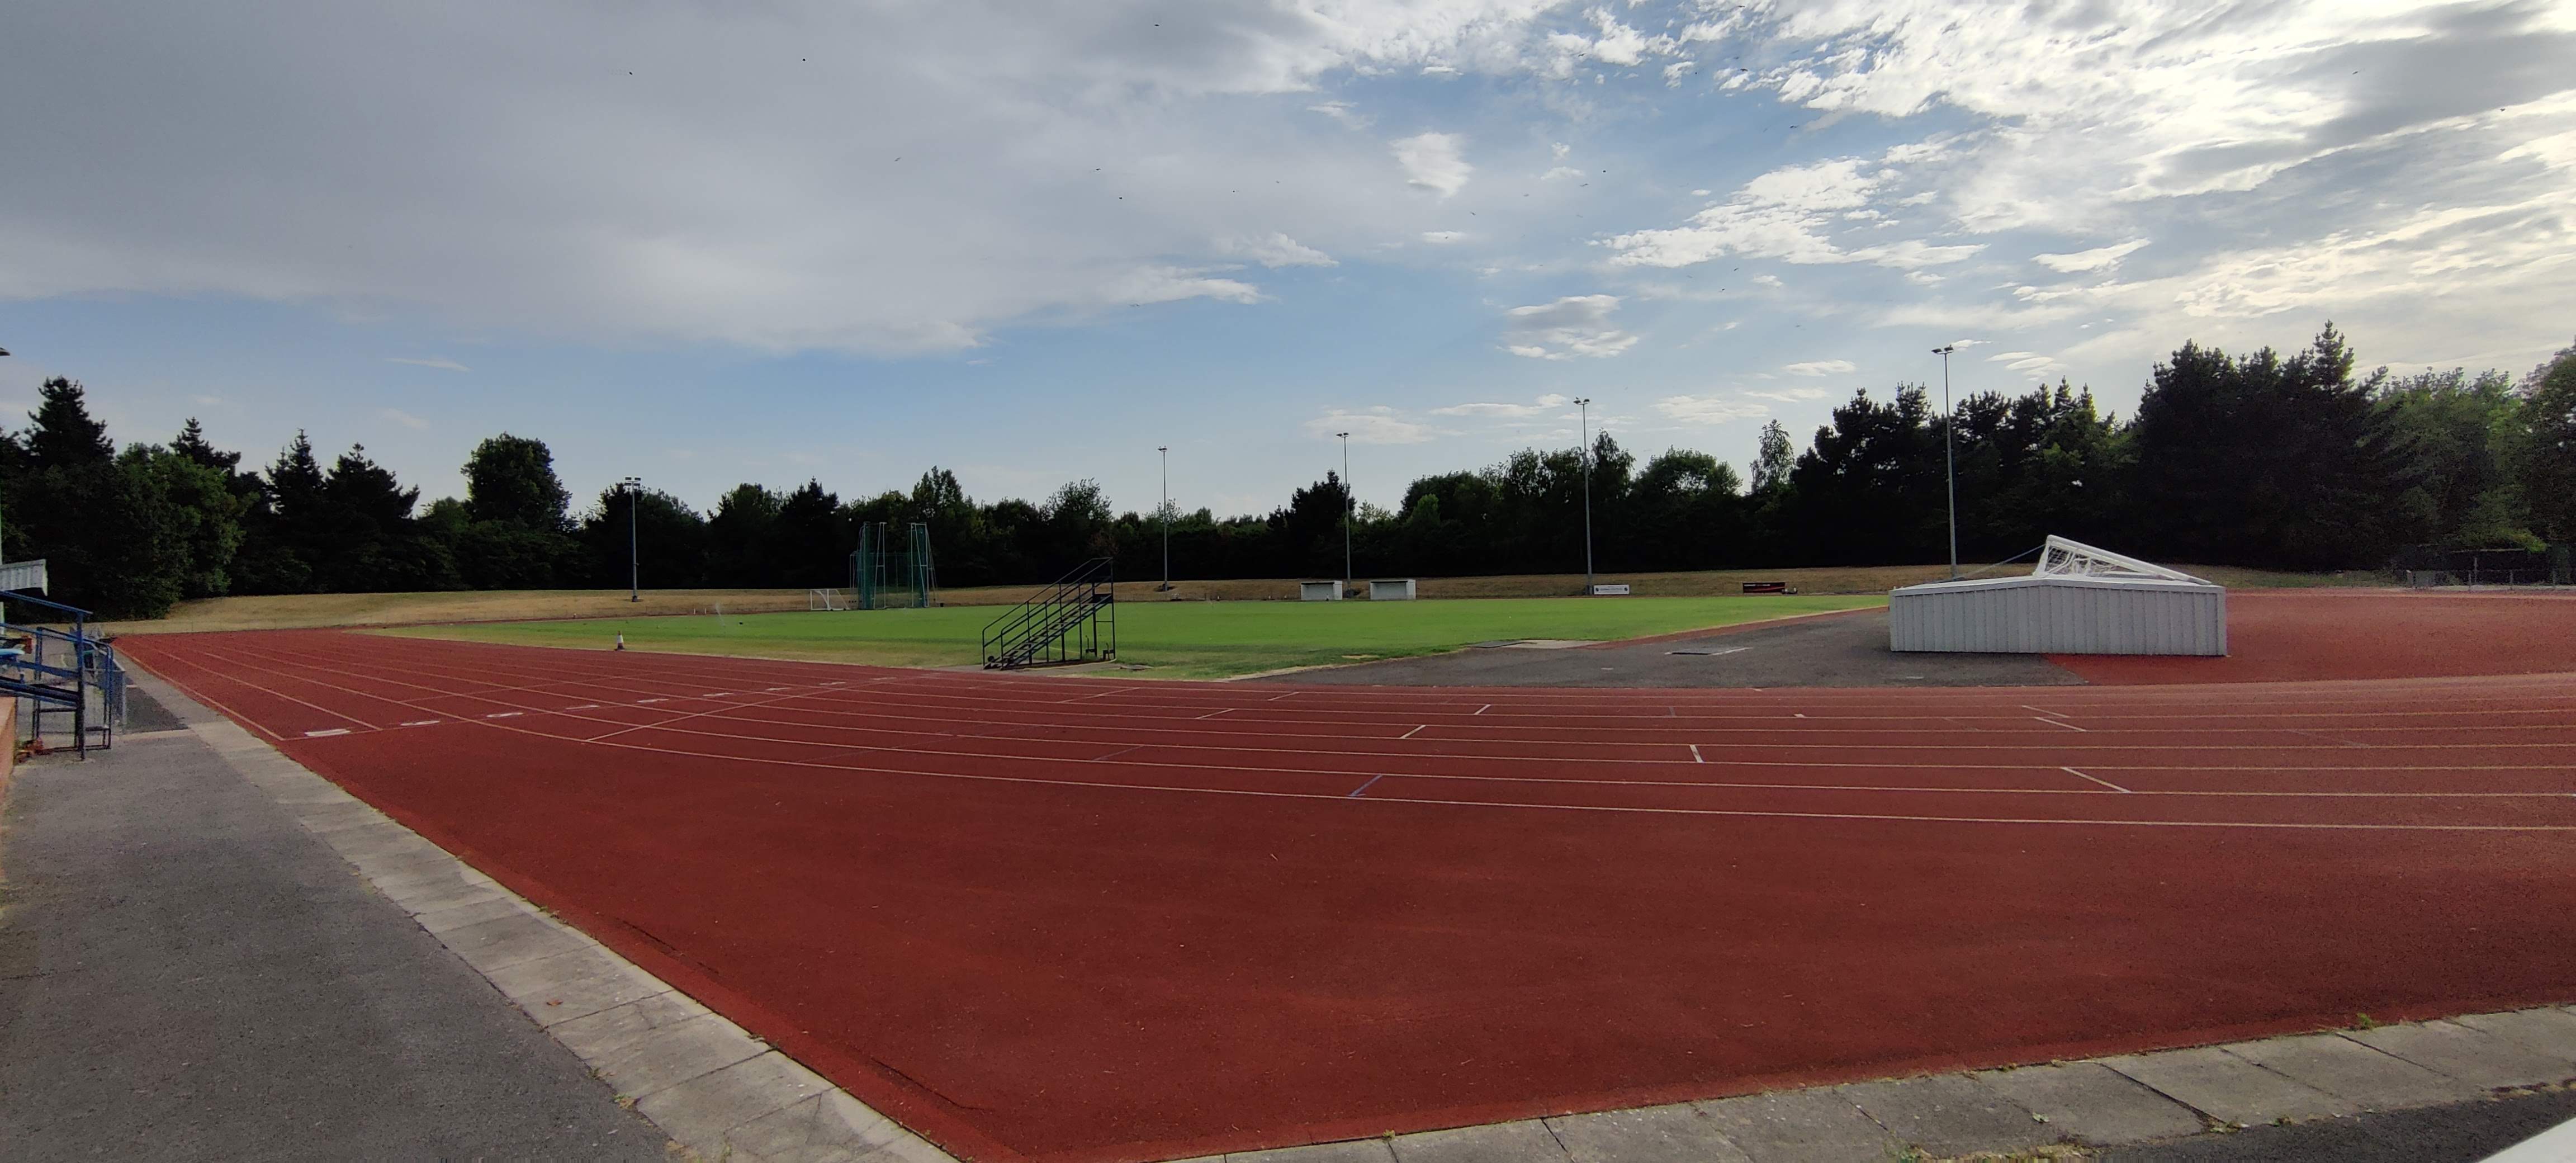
1072	920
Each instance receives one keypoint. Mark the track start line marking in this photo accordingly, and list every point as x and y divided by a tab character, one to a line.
326	731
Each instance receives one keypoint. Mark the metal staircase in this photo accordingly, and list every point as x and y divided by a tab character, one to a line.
1074	620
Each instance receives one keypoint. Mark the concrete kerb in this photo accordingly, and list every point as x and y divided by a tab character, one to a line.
704	1081
721	1092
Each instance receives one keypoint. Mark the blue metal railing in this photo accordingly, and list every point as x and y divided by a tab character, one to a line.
63	674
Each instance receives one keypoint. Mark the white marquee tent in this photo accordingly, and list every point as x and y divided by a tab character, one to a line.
2079	600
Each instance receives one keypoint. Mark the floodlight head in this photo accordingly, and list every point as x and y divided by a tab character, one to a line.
1945	349
4	351
1343	435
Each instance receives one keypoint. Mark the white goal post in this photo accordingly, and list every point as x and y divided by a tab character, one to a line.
830	600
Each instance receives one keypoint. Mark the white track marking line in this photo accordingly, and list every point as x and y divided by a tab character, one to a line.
1485	708
2055	723
584	707
1410	734
283	695
692	715
193	693
1355	792
1216	712
803	724
642	702
505	714
2041	710
1696	757
1508	804
2104	782
328	731
422	723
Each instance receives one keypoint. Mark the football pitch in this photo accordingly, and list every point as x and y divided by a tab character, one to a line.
1197	640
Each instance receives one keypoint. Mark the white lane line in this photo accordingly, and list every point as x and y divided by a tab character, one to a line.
421	723
326	731
2055	723
1410	734
640	702
1485	708
1696	757
775	689
2104	782
1216	712
1355	792
504	714
2043	710
584	707
715	694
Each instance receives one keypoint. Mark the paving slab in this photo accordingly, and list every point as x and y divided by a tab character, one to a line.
1344	1151
1950	1114
1679	1133
202	978
1799	1126
486	906
2226	1087
2094	1103
2467	1053
572	985
618	1027
674	1055
825	1127
506	941
2368	1078
2549	1031
699	1111
1521	1141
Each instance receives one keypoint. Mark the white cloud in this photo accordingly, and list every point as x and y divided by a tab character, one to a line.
1790	214
403	418
1274	250
1577	325
1434	161
2098	259
1673	73
1821	367
1441	237
1790	395
1709	409
1545	404
440	364
1340	111
1379	425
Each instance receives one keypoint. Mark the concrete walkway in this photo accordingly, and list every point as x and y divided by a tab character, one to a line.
189	968
187	973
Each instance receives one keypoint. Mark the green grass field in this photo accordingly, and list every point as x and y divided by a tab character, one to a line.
1172	639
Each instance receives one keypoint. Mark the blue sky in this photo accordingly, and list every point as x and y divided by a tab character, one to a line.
708	243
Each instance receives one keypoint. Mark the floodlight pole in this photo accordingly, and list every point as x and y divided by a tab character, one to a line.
1583	412
1166	450
634	489
1950	453
1350	505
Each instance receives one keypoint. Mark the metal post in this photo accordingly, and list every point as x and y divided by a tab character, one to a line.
1950	453
1166	450
1350	504
634	557
1583	408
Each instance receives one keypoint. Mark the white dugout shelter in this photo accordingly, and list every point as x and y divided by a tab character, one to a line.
2079	600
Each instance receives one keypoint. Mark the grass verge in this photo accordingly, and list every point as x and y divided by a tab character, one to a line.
1170	639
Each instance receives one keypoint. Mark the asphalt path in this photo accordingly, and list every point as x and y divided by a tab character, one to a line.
186	973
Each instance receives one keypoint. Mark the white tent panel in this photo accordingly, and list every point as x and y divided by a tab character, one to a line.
2080	601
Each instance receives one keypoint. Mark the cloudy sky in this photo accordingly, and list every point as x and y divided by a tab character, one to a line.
708	242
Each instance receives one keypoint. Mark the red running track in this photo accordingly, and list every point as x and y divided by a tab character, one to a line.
1107	920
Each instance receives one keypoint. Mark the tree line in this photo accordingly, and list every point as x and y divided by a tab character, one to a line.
2271	460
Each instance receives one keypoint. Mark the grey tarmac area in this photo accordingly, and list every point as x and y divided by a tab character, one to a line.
187	973
1844	650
